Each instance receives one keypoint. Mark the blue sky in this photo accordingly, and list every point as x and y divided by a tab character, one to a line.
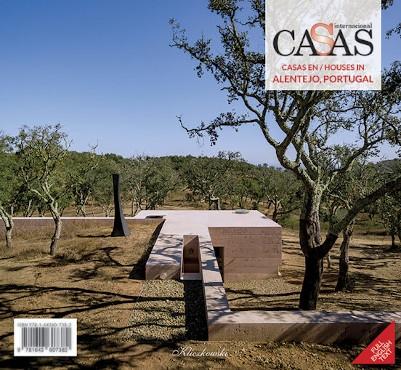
104	69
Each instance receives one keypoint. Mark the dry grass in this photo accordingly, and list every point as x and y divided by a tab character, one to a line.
88	279
374	269
98	280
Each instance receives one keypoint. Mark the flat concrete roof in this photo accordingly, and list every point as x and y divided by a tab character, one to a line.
193	222
167	251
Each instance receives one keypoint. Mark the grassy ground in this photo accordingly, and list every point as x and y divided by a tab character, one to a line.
375	274
126	322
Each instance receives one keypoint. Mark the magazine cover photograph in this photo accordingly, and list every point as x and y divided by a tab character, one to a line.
200	184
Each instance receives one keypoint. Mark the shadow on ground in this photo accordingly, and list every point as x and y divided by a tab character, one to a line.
98	288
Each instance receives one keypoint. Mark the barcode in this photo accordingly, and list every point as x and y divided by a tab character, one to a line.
45	337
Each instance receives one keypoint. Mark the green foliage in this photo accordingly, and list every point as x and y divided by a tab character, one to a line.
79	179
147	182
346	190
389	209
210	177
284	192
9	180
82	178
40	153
253	186
298	125
103	191
240	179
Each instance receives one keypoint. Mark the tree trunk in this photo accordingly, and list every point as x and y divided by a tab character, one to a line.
214	203
309	237
274	216
56	235
392	240
9	226
241	202
311	284
81	210
343	278
28	209
328	259
9	234
132	208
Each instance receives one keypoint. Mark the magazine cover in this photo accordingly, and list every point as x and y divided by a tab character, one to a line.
203	184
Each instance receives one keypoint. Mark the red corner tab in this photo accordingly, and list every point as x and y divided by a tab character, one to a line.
381	351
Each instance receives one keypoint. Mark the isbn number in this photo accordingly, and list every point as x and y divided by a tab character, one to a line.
45	337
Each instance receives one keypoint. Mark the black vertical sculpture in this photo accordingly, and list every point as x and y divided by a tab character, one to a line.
120	225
